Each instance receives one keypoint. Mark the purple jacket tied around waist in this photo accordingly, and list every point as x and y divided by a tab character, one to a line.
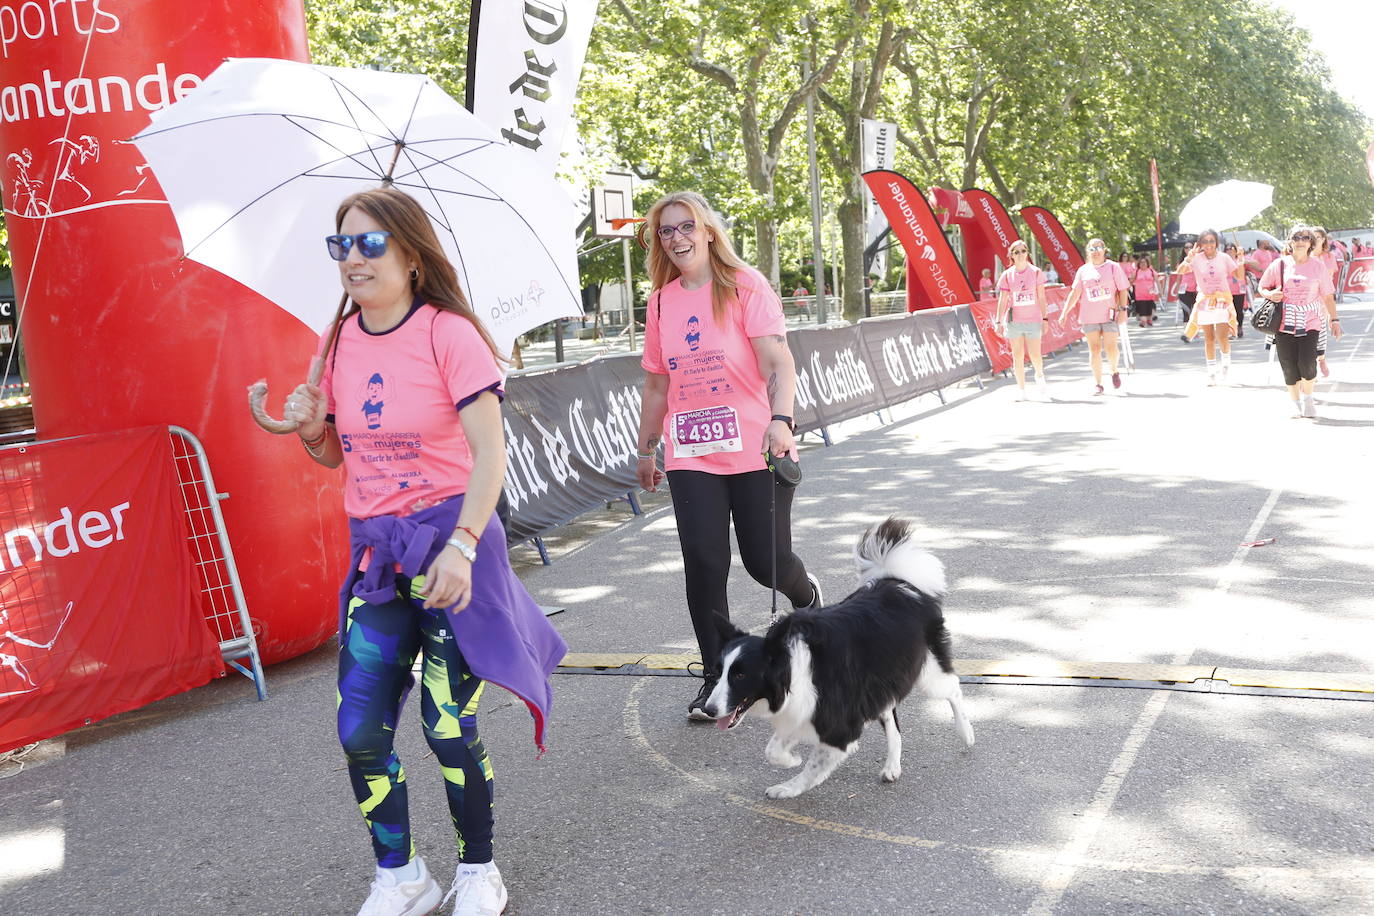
503	635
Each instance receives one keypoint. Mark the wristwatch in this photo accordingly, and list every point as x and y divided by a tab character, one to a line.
791	424
469	553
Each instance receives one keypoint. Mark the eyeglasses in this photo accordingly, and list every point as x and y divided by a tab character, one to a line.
686	227
1097	248
370	244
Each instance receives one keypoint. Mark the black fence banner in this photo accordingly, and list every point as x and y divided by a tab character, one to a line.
570	441
835	379
923	352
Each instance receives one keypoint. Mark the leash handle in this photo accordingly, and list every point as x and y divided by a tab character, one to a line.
773	540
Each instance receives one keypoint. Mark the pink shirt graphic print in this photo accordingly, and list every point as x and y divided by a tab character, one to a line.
1098	287
1022	286
394	400
717	401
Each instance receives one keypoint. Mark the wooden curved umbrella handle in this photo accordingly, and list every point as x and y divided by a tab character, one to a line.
257	401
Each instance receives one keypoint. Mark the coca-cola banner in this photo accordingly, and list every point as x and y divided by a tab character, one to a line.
1360	278
1054	337
100	607
571	433
931	263
1054	240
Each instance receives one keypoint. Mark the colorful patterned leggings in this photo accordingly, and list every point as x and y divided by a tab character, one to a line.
378	650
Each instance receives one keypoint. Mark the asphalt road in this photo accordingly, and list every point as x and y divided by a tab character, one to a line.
1078	534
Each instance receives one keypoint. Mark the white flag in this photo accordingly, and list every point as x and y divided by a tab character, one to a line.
524	62
879	147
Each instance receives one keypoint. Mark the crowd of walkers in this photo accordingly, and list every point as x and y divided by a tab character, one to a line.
1214	282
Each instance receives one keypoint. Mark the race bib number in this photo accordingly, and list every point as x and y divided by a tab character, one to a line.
1024	297
1098	293
706	432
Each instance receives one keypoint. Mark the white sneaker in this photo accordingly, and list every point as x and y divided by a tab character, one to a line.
1309	408
410	898
1211	378
1225	375
1042	390
479	889
1297	409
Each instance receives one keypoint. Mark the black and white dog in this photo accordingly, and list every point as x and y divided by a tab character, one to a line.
822	674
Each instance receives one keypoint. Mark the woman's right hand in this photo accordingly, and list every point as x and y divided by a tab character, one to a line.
307	407
1274	295
646	470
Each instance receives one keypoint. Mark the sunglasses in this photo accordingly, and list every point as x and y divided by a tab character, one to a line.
370	244
1302	238
686	227
1096	248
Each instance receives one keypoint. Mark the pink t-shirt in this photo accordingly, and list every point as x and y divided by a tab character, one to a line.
984	286
1332	262
1098	287
1211	273
717	400
394	398
1304	287
1022	286
1262	257
1145	284
1129	269
1187	283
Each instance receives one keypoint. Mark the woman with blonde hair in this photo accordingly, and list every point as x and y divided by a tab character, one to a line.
718	393
1021	315
1100	286
409	405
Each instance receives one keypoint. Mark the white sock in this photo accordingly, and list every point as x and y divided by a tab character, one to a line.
402	874
1226	360
1211	367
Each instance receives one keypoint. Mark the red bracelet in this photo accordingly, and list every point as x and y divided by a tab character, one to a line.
468	531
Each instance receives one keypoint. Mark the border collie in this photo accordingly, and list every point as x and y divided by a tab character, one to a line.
822	674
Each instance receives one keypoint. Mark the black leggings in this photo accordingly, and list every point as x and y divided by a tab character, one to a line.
704	505
1297	356
1145	308
1188	300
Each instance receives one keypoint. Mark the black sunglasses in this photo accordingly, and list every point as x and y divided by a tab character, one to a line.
370	244
1302	238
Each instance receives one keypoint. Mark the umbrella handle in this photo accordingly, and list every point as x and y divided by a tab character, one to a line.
257	401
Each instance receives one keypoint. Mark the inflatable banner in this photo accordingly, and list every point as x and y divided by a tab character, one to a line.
993	233
932	267
100	605
1054	241
119	329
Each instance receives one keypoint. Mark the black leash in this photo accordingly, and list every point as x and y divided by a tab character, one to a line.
773	518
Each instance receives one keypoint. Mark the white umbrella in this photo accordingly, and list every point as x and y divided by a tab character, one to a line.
255	161
1225	206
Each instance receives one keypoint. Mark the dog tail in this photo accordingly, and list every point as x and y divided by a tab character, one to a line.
887	549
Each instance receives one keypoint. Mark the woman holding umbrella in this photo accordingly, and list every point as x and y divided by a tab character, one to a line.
1303	284
718	386
1213	313
1100	285
409	404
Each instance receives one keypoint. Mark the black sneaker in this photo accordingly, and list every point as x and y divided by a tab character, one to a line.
696	710
818	600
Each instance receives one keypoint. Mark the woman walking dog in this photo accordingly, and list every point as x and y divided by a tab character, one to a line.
718	387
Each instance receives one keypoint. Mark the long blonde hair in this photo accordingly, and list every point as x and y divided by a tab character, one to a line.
435	280
725	263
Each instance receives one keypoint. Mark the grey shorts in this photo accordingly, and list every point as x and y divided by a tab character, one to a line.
1106	327
1028	329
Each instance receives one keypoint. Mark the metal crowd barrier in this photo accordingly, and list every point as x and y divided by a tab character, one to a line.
225	609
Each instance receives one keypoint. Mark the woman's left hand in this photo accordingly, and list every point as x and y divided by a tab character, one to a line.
448	580
778	440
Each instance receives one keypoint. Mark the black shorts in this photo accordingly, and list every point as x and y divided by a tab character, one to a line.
1297	356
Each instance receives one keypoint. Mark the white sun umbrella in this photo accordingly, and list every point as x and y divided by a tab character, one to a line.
1225	206
255	161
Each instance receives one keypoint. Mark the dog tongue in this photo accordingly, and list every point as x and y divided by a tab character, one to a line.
728	721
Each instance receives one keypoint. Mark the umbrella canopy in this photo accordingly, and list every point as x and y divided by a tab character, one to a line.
255	161
1225	206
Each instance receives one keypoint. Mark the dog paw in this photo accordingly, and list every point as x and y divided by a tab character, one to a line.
891	773
782	790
